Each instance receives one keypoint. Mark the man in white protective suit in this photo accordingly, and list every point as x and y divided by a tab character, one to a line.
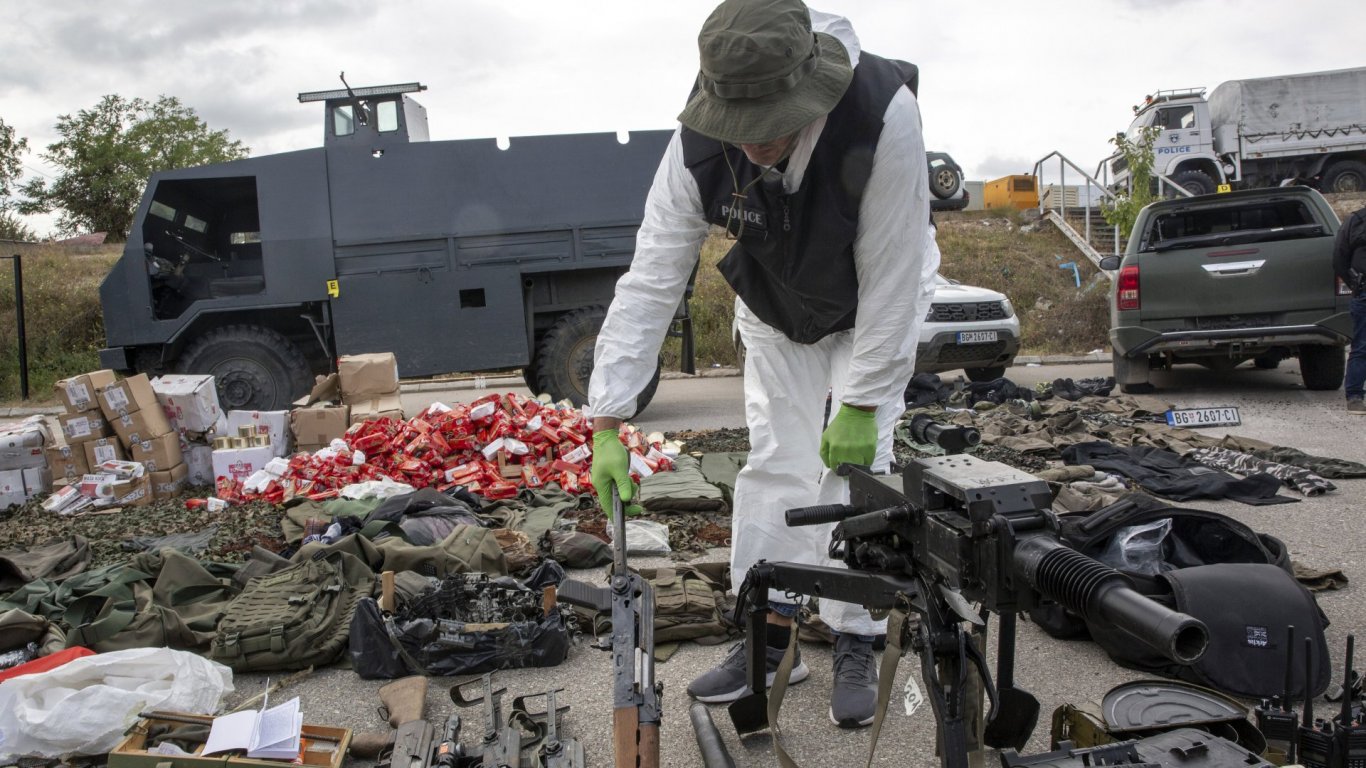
808	152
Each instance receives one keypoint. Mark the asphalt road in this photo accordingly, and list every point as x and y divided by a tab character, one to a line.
1323	532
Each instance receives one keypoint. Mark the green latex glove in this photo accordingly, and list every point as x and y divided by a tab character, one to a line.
612	465
851	438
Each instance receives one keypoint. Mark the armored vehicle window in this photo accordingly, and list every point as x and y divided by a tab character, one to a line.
388	116
1225	224
198	225
244	238
343	120
162	211
1177	118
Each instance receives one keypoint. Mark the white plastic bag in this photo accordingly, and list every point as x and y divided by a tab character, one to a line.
84	706
1138	548
646	537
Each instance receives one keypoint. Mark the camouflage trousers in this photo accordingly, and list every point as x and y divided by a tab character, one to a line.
1299	478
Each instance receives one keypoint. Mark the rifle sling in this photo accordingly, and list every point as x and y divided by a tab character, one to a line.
886	674
775	697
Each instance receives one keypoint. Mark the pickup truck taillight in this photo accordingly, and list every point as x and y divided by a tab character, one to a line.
1343	290
1126	288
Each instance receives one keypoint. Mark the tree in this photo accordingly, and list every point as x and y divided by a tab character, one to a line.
107	153
1138	153
11	168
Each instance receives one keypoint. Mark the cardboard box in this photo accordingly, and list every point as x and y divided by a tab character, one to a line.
169	483
80	393
99	451
274	424
377	407
199	462
158	454
37	480
369	375
319	425
67	460
12	488
80	427
21	444
240	463
128	396
133	492
137	426
326	389
189	401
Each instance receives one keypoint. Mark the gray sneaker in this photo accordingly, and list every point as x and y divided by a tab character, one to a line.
853	699
727	681
1356	406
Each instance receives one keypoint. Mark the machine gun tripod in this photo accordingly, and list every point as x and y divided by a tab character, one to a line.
949	532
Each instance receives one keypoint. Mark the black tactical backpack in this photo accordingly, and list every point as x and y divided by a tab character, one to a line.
293	618
1237	581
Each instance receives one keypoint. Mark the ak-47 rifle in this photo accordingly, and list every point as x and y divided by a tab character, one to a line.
636	694
949	532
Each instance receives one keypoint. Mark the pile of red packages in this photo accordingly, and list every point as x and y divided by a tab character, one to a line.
494	447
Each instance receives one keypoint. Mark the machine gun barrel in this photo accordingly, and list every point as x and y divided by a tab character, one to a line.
924	429
1101	593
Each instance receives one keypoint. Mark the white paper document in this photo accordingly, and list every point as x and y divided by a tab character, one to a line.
272	733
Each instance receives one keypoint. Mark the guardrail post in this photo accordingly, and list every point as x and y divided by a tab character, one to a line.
19	323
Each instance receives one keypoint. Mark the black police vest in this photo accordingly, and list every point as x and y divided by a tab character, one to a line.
793	264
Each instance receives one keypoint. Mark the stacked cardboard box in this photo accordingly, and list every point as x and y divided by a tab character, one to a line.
369	385
318	418
83	430
112	483
190	402
23	463
138	418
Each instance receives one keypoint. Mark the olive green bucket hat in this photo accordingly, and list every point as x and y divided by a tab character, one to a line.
764	73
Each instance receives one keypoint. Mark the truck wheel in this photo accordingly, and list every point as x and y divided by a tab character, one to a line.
1322	367
1195	182
564	359
943	182
255	368
1132	375
1345	176
985	374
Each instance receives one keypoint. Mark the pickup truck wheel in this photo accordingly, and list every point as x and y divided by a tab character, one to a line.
254	368
985	374
1345	176
1322	367
1132	375
564	359
1195	182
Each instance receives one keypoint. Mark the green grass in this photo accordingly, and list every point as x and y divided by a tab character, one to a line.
63	324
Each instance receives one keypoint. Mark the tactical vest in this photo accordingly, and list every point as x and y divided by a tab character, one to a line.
793	263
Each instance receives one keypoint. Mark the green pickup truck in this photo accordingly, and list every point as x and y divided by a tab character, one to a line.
1225	278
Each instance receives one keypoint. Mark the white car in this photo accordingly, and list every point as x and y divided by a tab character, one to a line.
970	328
966	327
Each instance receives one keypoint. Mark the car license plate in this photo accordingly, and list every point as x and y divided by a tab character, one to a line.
1224	416
976	337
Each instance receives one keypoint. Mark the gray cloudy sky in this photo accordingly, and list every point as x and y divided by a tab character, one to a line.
1003	82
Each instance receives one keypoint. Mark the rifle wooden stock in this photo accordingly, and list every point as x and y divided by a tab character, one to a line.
634	744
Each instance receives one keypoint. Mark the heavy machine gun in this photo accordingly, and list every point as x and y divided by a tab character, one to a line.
950	532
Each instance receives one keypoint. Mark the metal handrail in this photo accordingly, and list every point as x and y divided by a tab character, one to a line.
1092	182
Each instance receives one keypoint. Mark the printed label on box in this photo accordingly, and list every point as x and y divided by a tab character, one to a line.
116	398
78	393
78	428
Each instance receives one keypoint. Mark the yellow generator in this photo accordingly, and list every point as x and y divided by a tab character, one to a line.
1017	191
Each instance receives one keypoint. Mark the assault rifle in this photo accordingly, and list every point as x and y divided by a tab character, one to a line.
636	694
948	532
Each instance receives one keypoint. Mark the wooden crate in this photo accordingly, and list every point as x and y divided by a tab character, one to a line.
329	751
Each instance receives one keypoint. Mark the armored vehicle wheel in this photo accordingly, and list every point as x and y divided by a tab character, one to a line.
531	379
564	359
1322	367
985	374
255	368
1195	182
1345	176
